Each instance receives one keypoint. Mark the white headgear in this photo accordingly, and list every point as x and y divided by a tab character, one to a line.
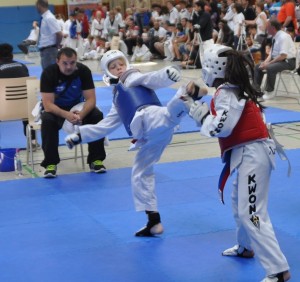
214	66
110	56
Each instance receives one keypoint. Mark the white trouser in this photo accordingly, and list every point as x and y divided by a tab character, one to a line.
254	163
154	126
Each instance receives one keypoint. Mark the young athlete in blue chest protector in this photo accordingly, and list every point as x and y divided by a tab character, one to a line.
136	105
237	120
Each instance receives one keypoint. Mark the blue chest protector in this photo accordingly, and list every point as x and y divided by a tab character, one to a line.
128	100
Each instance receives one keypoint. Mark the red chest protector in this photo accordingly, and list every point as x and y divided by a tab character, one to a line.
249	127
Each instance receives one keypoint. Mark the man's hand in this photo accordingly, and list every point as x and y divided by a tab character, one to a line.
74	118
73	140
173	74
199	111
263	65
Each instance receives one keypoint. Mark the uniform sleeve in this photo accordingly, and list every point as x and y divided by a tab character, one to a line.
93	132
152	80
228	112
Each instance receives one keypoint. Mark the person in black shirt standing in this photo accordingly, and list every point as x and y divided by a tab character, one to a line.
202	23
64	85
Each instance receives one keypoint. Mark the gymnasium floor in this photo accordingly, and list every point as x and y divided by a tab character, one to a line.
80	226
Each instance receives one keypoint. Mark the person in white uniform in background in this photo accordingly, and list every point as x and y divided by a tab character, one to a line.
136	105
236	119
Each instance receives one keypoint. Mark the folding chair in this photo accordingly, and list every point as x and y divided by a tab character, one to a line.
33	49
290	75
33	89
13	98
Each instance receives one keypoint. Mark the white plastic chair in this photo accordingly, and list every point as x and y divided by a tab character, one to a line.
286	76
33	49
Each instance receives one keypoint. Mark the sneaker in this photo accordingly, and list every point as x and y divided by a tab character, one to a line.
97	167
50	171
279	277
238	251
269	95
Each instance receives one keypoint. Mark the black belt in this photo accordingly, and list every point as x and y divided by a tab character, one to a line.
47	47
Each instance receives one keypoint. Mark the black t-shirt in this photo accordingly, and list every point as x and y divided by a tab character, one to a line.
206	27
13	69
67	89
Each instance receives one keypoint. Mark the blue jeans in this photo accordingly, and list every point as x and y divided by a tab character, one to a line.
48	56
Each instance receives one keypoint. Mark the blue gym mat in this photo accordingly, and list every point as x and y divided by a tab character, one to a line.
11	133
37	71
80	227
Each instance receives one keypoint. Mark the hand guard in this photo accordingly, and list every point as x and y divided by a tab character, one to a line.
73	140
199	111
173	74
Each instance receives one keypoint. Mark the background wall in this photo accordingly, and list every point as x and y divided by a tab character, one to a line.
10	3
16	19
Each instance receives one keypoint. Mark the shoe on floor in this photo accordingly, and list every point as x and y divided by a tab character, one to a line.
279	277
97	167
238	251
153	227
269	95
50	171
146	231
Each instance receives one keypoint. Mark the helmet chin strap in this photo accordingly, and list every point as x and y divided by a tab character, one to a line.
113	81
110	81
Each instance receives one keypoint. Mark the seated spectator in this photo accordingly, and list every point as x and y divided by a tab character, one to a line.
168	44
180	39
282	57
254	45
31	39
12	69
64	85
193	59
190	50
183	12
184	49
130	36
160	45
155	12
225	36
156	34
88	46
141	52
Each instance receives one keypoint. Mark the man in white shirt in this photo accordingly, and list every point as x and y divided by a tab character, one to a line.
184	13
174	15
229	14
50	34
282	57
31	39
